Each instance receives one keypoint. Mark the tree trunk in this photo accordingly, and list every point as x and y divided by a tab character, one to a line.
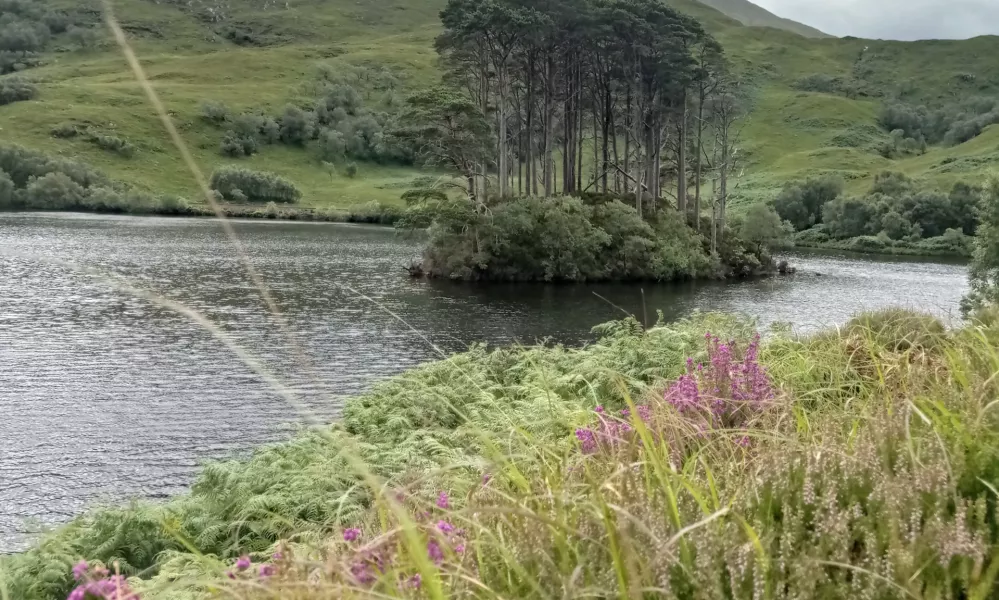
627	134
549	126
502	163
723	176
697	167
681	162
532	184
617	162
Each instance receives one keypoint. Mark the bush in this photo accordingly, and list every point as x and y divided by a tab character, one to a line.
866	243
270	131
254	186
215	112
953	242
65	130
850	217
16	89
351	170
55	191
235	146
802	204
23	165
564	239
819	82
333	146
114	144
895	226
6	192
295	127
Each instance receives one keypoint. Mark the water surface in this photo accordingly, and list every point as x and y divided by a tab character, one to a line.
106	396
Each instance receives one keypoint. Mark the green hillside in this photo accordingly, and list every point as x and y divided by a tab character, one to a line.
748	13
283	47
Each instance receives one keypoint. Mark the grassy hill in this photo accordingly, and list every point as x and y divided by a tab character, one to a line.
748	13
191	58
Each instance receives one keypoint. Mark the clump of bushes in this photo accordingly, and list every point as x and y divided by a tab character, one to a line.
16	89
65	130
115	144
237	184
27	28
567	239
338	126
896	212
951	124
34	181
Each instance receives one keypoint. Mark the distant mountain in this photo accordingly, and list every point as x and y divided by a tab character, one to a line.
748	13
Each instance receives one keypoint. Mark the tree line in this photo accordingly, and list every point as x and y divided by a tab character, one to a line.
562	97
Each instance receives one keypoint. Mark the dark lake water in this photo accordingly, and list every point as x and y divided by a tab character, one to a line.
105	396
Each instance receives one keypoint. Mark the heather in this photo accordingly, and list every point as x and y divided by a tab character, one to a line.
692	460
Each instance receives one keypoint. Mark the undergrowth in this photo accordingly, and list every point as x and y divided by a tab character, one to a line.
855	463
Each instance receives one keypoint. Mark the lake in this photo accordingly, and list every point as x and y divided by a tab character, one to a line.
107	396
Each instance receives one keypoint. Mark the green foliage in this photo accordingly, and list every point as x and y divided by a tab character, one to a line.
16	89
896	209
54	191
115	144
762	226
849	217
254	186
332	146
565	239
65	130
7	190
984	273
802	204
23	165
447	130
952	124
295	126
351	170
235	146
215	113
819	82
870	470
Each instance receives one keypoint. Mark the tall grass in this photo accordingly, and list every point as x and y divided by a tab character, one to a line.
869	468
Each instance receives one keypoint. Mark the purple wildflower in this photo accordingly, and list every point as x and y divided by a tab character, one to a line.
243	563
486	478
415	581
599	410
351	534
230	574
266	570
460	548
80	570
587	440
435	552
443	501
362	573
743	441
277	556
445	527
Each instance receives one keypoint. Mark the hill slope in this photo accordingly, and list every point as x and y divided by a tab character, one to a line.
287	46
750	14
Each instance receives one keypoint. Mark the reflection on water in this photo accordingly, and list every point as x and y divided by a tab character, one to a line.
106	396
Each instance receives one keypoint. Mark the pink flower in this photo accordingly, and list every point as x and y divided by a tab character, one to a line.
266	570
445	527
443	501
80	570
352	534
434	552
243	563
